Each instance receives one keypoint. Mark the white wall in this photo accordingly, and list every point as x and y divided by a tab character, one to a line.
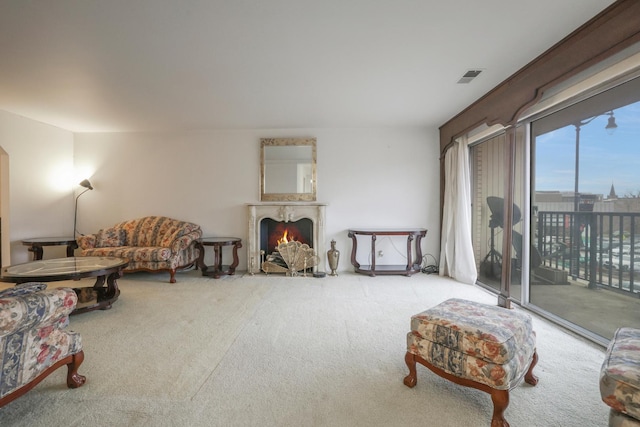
40	183
368	178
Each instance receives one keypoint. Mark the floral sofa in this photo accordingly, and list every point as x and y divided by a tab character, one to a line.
33	338
151	243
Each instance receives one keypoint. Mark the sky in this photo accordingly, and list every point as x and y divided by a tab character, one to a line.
604	159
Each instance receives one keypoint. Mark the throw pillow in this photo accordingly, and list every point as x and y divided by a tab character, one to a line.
110	237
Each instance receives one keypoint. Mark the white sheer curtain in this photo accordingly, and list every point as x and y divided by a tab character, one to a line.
456	250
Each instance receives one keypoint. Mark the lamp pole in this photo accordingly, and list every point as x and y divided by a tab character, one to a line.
576	203
87	185
576	197
610	127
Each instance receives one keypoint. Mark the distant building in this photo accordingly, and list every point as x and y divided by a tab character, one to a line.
565	201
557	203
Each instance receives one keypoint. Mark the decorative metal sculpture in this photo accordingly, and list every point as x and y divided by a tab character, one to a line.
291	258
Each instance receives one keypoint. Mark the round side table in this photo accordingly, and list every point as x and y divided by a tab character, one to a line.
37	244
218	270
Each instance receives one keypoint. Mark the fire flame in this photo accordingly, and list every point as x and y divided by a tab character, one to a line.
285	238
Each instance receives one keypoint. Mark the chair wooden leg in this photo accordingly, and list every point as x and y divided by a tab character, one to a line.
74	379
412	379
529	378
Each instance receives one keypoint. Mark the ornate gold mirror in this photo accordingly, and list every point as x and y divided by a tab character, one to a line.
287	169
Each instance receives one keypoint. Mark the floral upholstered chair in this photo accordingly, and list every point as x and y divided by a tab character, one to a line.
33	338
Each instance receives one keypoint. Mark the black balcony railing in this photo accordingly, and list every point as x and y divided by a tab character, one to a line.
600	249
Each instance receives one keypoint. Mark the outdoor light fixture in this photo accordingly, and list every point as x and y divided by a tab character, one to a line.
87	185
611	124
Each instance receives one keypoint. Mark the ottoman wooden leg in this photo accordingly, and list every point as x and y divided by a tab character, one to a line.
500	399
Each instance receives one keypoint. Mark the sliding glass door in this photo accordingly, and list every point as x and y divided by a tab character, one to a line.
586	211
490	162
575	230
487	160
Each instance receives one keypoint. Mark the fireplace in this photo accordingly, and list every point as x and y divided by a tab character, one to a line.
305	221
285	247
273	232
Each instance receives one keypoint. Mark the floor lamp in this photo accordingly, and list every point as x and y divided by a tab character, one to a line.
87	185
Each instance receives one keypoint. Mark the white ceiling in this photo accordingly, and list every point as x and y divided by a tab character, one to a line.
158	65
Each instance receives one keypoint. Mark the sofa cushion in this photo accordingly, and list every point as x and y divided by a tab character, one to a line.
494	334
133	254
110	237
501	376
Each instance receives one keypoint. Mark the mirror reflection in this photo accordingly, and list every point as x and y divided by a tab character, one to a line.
288	169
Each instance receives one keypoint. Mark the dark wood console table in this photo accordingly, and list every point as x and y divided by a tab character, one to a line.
217	269
36	245
413	235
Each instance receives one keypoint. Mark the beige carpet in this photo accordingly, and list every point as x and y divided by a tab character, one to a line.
278	351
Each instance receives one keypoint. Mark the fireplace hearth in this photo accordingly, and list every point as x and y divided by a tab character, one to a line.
304	222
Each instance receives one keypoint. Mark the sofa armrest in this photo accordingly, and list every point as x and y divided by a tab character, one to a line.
87	242
183	242
44	307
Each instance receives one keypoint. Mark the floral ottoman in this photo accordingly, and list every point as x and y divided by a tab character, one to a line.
476	345
620	378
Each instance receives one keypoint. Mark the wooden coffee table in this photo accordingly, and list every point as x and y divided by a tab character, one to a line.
105	269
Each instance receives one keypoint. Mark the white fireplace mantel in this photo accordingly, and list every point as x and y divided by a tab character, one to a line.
287	212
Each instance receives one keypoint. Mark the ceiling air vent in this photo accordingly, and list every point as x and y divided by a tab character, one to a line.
469	75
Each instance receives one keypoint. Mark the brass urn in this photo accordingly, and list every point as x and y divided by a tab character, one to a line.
333	255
